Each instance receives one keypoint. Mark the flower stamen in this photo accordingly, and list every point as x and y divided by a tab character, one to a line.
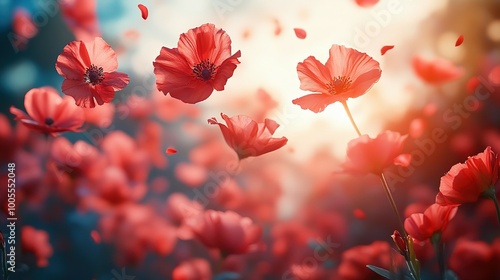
338	85
49	121
93	75
205	70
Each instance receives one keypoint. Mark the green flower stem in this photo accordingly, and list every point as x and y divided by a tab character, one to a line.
490	193
393	204
497	207
436	243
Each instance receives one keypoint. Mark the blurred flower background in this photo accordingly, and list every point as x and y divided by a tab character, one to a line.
110	201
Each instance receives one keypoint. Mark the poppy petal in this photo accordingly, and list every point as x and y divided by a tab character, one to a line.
300	33
313	75
384	49
144	11
315	102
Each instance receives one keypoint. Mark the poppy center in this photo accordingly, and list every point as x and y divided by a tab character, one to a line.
49	121
94	75
338	85
205	70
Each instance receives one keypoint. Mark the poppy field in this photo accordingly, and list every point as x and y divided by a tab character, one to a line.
250	139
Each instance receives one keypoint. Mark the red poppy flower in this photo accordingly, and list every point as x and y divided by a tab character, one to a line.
37	242
227	231
466	182
474	260
89	71
23	25
355	259
249	138
436	71
367	155
81	18
346	74
192	269
201	63
422	226
48	112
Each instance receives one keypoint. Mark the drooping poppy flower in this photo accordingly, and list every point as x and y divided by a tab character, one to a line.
436	71
422	226
227	231
81	18
372	155
48	112
201	63
347	73
37	242
89	71
249	138
466	182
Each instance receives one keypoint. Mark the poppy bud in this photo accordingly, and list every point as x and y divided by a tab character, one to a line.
400	242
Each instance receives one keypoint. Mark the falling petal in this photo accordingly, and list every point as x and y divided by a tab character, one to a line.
460	40
95	236
417	128
300	33
359	214
277	28
171	151
144	11
384	49
472	84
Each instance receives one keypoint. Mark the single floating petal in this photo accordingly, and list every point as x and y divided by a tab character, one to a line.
170	151
359	214
144	11
384	49
459	41
300	33
95	236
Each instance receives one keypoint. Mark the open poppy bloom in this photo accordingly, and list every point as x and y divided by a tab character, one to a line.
367	155
436	71
48	112
347	73
249	138
434	220
227	231
201	63
89	71
466	182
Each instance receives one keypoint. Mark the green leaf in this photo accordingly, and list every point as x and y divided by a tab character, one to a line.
386	273
380	271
